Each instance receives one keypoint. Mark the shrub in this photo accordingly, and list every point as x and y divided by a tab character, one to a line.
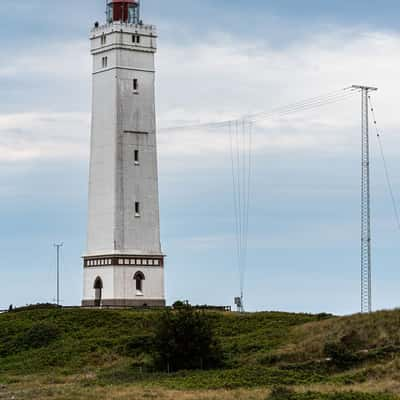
345	353
323	316
284	393
38	306
39	335
184	339
179	304
138	344
281	393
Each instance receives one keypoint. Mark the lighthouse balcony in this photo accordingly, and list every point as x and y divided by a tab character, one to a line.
119	26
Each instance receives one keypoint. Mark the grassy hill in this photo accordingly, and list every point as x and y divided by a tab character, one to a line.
104	354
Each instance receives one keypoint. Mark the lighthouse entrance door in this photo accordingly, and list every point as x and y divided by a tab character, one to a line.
98	289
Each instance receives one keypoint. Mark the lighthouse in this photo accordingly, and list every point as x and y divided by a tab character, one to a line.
123	265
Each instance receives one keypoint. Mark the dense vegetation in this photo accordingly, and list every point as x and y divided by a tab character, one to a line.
184	339
299	356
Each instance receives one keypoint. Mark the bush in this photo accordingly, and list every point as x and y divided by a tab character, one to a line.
38	306
345	353
281	393
184	339
284	393
138	344
39	335
179	304
323	316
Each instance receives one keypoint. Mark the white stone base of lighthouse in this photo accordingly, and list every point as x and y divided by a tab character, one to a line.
123	285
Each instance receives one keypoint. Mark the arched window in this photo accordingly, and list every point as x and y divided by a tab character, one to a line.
139	278
98	289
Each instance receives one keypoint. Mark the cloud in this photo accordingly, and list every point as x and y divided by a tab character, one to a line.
66	61
221	79
227	78
44	136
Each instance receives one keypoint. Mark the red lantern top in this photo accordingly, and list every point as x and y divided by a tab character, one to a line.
123	10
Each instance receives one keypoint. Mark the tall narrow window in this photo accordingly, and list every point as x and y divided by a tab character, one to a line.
139	285
136	157
103	39
139	278
137	209
104	62
135	38
135	85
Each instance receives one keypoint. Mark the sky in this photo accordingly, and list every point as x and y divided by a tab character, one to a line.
216	60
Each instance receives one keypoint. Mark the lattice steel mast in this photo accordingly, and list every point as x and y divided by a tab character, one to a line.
366	270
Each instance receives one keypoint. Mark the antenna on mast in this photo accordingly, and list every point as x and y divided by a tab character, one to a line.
366	265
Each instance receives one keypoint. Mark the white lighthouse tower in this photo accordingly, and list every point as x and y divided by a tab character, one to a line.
123	264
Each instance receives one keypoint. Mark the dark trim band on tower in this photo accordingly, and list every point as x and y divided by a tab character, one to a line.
121	261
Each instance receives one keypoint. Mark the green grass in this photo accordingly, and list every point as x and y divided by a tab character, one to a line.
100	337
335	396
104	348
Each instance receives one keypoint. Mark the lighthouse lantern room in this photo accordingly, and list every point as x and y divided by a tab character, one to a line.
123	10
